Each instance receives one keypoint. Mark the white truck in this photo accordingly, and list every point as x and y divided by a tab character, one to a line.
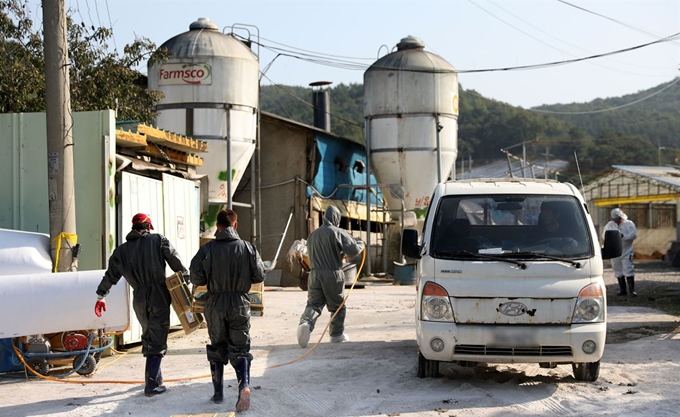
510	271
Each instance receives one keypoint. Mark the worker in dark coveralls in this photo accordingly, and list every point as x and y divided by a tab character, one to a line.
228	266
326	248
141	261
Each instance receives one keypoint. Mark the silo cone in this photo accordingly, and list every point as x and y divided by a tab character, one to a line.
411	113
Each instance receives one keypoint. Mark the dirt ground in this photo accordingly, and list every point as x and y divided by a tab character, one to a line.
375	372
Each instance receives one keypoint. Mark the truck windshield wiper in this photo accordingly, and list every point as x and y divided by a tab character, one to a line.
544	256
468	254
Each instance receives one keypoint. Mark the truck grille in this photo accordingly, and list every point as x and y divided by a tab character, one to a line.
482	350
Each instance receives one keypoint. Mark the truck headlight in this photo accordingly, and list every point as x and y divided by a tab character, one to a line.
436	305
589	305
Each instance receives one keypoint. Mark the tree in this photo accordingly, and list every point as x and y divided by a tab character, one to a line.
98	76
615	148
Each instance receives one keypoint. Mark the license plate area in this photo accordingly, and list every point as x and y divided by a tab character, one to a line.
509	337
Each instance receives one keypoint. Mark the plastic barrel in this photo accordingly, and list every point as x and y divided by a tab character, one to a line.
405	274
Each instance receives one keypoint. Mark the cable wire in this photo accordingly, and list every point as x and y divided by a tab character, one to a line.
675	81
115	47
569	61
562	41
316	53
655	36
358	66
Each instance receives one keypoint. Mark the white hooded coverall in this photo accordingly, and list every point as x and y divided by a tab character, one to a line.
623	265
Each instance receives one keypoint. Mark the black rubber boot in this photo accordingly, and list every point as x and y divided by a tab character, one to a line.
242	367
153	377
622	286
631	286
217	372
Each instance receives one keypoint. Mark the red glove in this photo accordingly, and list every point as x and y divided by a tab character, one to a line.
99	306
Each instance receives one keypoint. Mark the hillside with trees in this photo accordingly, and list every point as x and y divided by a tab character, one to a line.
654	115
626	135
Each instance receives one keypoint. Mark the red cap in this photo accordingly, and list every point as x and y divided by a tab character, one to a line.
142	218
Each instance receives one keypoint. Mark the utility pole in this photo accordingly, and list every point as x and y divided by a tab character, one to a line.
62	201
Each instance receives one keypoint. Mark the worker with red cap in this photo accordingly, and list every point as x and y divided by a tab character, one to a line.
141	261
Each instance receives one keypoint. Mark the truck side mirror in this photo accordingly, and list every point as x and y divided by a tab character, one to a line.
612	244
409	244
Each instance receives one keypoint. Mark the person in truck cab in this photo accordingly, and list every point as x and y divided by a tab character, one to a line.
549	222
557	228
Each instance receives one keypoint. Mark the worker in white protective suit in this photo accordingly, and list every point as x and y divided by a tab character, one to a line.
326	247
624	271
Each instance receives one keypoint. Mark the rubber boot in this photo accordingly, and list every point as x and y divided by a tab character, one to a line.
622	286
242	367
217	372
631	286
153	376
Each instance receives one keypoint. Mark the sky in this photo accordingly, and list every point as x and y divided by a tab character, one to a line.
471	35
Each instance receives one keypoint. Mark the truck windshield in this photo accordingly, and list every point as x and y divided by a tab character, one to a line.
513	226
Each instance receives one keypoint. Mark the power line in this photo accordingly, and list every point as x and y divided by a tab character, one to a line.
570	61
89	13
518	29
96	7
322	60
111	26
82	19
610	108
564	42
474	93
655	36
344	64
316	53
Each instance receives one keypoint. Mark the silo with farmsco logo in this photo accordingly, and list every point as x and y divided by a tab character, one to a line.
210	87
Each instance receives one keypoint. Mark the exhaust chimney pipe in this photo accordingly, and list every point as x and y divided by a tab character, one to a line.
322	105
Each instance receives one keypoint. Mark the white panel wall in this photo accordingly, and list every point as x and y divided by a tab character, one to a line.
180	203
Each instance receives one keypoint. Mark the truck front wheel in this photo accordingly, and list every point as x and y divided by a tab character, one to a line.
588	371
427	368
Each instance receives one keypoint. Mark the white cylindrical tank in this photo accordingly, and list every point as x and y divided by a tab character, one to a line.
210	83
411	113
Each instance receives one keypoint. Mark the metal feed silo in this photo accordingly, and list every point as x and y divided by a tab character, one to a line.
411	115
210	83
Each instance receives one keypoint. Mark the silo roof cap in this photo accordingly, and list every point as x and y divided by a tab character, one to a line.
205	39
411	55
203	23
410	42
